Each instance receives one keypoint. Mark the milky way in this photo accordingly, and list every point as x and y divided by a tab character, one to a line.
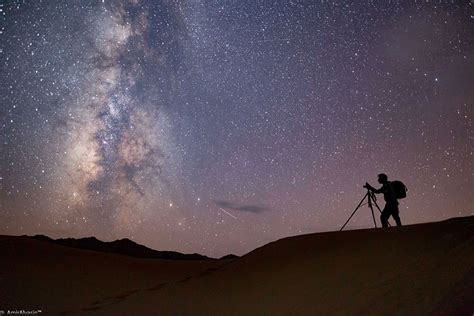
218	126
117	162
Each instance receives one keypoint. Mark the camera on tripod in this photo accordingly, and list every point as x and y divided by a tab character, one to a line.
371	200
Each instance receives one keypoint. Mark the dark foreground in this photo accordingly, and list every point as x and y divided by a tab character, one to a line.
413	270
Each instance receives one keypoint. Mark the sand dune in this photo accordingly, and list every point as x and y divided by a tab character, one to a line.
53	278
412	270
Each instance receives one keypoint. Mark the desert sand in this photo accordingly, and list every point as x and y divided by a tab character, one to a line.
424	269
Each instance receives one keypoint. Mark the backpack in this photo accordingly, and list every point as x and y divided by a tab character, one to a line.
399	189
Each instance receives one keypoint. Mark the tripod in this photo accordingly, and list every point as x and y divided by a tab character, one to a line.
371	199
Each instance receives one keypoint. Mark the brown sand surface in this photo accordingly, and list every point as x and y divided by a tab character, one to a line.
55	279
413	270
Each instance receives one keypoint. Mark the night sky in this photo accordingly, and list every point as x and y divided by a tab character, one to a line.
219	126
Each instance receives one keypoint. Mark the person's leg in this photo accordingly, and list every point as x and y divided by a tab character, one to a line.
384	216
396	215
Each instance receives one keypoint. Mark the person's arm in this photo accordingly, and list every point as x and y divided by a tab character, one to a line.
371	188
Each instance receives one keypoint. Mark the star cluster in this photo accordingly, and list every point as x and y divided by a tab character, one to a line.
218	126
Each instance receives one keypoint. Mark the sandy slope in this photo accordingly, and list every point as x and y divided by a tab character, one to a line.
41	275
413	270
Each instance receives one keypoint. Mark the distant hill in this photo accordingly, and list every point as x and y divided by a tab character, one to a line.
229	256
123	246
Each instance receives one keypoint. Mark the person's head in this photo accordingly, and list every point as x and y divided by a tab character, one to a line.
382	178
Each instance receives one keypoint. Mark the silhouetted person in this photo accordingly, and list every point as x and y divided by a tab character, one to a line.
391	203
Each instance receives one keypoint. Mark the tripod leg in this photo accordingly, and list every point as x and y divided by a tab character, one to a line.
360	203
372	210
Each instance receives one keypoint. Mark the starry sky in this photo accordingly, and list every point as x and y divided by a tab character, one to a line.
219	126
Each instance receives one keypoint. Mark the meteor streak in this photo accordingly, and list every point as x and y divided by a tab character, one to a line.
228	213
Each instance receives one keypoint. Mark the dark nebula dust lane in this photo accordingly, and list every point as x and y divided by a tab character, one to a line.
218	126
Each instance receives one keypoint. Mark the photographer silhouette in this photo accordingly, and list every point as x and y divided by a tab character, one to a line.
391	203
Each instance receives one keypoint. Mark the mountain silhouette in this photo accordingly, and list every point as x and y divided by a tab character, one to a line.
124	246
